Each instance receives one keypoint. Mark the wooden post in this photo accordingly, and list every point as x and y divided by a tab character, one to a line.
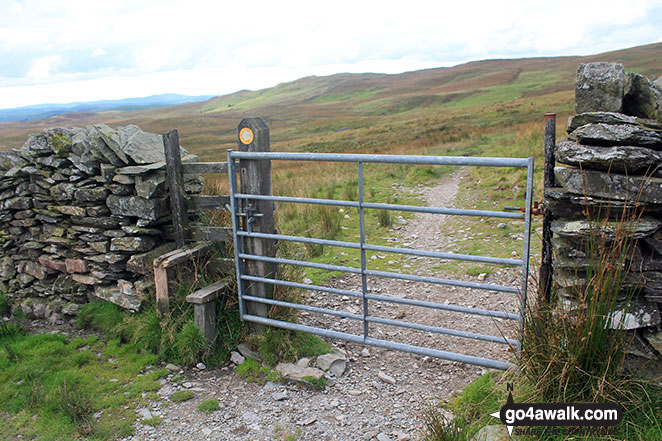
204	309
175	177
255	178
546	270
162	276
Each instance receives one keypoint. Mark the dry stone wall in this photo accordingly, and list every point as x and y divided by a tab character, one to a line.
612	161
83	212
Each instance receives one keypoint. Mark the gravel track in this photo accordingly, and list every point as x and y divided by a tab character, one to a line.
383	394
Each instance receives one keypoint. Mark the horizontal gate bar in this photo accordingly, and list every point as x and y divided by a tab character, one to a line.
384	159
438	330
440	255
449	211
408	251
449	282
302	307
403	301
383	321
343	269
412	277
452	356
344	292
261	197
331	243
444	307
411	208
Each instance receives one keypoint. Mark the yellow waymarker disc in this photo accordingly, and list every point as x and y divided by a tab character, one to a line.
246	135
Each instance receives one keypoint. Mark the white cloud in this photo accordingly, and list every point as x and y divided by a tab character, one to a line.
263	42
42	67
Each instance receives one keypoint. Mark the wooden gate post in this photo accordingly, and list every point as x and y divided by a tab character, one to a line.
255	178
546	271
175	178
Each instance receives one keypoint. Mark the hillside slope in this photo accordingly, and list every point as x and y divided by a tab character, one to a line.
369	112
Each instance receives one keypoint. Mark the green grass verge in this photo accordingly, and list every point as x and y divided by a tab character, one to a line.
52	386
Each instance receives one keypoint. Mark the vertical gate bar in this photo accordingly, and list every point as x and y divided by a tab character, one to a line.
527	239
232	176
364	277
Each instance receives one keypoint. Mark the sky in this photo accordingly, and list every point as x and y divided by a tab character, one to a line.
60	51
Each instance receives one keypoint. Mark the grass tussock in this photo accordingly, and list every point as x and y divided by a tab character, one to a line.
181	395
5	307
209	406
275	345
572	351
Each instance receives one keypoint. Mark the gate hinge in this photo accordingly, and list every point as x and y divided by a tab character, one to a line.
536	210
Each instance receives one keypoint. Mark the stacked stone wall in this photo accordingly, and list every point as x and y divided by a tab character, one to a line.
82	214
611	164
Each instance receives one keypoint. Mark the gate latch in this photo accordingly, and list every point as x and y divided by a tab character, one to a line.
536	210
250	211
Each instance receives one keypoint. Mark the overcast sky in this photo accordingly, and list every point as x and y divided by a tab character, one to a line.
82	50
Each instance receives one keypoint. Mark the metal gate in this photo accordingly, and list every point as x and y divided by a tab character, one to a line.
243	206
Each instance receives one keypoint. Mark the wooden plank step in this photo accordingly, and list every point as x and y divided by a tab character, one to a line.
207	294
174	257
211	233
208	202
197	168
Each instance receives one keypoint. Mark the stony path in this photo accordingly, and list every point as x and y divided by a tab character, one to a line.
383	395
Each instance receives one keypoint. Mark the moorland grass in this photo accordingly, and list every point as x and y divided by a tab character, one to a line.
52	386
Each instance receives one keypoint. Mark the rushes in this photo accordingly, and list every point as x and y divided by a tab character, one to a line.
570	352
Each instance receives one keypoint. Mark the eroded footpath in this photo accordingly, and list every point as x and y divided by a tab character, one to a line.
382	395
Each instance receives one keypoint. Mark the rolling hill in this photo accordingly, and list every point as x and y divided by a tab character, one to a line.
369	112
43	111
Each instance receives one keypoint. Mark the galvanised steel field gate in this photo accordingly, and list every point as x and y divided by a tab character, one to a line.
243	209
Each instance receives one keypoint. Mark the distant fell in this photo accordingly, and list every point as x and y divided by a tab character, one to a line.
41	111
368	112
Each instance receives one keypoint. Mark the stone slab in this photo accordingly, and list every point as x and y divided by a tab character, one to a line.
583	228
617	159
610	186
642	97
295	372
617	134
576	121
114	295
599	87
150	209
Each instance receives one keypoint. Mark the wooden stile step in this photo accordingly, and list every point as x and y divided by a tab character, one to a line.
204	308
207	294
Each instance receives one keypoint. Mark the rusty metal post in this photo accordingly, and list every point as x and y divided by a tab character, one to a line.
546	270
